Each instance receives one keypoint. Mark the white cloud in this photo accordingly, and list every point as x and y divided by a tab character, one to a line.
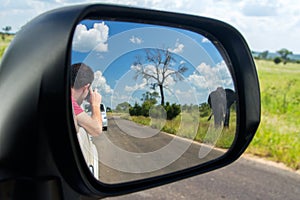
117	98
205	40
208	77
135	40
137	86
136	67
260	8
178	48
261	22
186	96
169	82
151	70
93	39
182	62
100	83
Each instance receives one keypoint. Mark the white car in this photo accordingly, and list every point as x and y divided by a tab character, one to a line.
87	108
89	151
104	117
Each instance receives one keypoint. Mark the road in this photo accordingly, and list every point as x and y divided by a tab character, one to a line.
129	151
245	179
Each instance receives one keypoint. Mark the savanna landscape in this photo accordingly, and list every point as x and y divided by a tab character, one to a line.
278	136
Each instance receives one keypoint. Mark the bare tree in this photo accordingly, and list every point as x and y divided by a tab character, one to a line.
159	65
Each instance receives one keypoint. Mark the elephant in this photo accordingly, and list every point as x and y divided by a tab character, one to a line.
220	101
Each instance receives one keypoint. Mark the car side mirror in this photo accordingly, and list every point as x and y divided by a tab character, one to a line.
192	79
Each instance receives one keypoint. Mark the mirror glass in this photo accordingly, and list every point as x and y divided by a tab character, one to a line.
168	100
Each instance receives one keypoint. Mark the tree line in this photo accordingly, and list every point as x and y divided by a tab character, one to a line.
6	31
149	107
283	56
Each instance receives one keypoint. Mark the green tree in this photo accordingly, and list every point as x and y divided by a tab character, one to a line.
136	110
284	53
149	103
123	107
146	106
150	96
6	30
172	110
149	100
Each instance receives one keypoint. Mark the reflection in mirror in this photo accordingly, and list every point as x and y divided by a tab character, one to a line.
168	99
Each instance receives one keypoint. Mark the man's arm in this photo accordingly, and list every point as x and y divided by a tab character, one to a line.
92	124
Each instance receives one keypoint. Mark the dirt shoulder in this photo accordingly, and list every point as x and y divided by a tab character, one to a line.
269	162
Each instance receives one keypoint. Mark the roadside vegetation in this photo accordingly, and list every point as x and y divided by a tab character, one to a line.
278	136
5	39
189	125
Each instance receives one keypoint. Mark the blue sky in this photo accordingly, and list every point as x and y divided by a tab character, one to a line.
266	24
111	49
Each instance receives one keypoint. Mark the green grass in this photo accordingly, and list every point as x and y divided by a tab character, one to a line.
189	126
278	136
4	42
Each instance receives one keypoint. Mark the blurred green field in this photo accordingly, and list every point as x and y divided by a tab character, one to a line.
5	39
278	136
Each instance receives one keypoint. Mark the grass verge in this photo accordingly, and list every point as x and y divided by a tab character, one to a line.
278	136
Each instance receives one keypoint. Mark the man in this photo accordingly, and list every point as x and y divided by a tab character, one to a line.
82	78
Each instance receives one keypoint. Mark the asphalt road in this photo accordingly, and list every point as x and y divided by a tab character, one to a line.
129	151
245	179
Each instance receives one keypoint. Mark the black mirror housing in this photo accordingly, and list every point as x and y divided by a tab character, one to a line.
37	133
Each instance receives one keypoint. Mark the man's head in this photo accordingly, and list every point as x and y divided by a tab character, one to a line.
82	78
82	75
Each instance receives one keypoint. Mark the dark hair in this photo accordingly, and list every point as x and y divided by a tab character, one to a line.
81	75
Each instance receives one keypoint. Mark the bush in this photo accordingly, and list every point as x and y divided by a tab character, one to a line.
171	110
146	106
136	110
277	60
204	110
